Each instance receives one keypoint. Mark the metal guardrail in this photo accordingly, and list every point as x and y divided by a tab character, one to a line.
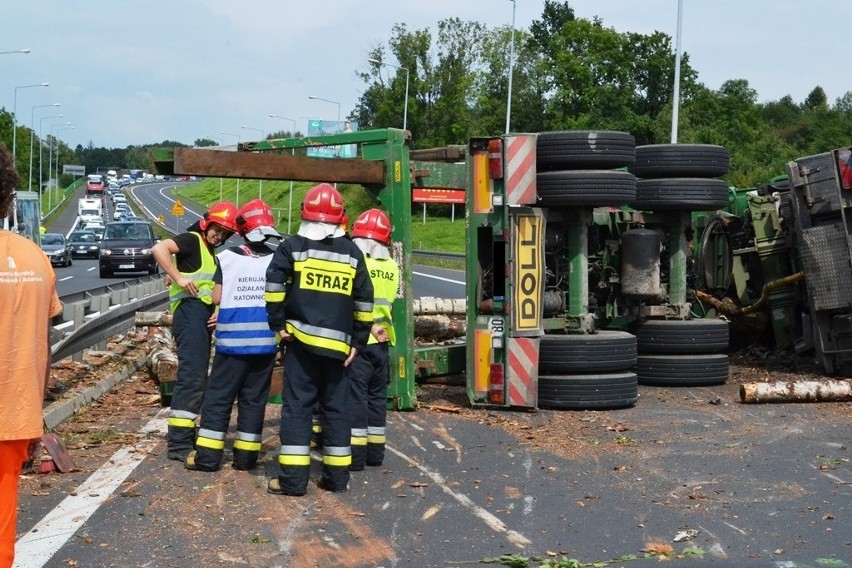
439	255
90	318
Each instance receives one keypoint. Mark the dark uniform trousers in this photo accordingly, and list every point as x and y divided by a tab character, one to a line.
310	378
368	377
192	337
245	378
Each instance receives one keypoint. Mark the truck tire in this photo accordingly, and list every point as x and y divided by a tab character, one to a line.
680	194
588	392
584	149
592	188
579	353
682	370
680	160
681	337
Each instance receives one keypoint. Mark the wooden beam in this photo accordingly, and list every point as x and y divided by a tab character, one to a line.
252	165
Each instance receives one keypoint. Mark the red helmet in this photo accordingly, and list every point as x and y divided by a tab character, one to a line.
223	213
373	224
256	213
323	203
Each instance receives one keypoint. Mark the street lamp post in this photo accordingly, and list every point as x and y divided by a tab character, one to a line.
57	155
511	67
15	120
292	153
50	161
15	51
405	105
293	133
314	97
40	147
221	180
259	182
676	94
32	133
239	139
338	111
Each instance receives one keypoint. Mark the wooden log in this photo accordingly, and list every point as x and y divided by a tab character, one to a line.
432	306
158	319
438	327
161	356
830	390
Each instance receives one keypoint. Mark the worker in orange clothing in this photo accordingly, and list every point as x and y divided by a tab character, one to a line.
27	290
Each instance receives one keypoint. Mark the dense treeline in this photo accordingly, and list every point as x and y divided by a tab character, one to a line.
572	73
568	73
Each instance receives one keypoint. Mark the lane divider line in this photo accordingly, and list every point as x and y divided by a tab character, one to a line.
35	548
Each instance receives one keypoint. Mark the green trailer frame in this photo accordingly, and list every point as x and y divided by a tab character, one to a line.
386	167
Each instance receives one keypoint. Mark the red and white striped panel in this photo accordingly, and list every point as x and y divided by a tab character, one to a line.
520	169
522	372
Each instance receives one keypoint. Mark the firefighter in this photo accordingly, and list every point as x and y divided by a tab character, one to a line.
189	260
368	373
319	298
316	428
245	347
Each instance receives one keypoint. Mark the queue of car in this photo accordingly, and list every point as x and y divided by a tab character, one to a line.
121	245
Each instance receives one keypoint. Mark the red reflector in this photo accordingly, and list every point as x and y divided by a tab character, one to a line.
495	158
495	390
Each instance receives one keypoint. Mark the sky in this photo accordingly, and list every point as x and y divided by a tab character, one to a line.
135	72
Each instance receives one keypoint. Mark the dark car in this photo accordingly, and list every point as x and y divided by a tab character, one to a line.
126	247
84	244
57	249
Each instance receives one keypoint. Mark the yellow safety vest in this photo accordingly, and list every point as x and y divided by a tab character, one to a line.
384	273
203	278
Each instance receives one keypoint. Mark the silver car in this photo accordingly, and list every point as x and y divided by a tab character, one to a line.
57	249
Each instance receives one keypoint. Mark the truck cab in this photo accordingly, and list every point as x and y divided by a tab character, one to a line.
821	192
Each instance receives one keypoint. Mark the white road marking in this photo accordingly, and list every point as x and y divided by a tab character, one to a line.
37	546
489	519
441	278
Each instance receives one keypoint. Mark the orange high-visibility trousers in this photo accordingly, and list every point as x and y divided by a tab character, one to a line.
13	453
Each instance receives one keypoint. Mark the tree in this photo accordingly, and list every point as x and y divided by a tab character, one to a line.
441	76
137	158
554	16
816	99
843	105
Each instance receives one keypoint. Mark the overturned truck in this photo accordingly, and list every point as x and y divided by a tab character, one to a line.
592	265
777	260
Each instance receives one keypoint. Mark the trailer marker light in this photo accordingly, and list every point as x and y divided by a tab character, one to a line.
495	391
495	158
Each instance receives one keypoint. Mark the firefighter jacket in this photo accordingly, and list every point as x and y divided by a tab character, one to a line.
320	292
384	274
242	328
203	278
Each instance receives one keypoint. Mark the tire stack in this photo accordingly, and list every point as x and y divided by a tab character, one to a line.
586	371
575	168
682	353
681	178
